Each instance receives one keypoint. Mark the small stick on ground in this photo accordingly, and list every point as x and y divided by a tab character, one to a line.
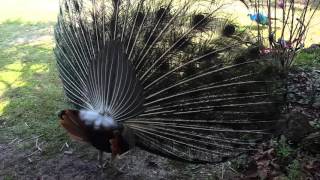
68	152
38	146
11	142
27	125
30	138
28	156
62	147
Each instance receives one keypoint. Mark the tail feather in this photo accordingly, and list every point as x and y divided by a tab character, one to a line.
158	68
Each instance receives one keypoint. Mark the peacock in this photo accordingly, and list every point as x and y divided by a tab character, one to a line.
155	75
260	18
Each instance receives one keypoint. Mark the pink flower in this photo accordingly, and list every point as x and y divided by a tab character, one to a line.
281	4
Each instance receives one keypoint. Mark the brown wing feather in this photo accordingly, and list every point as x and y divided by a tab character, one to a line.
70	120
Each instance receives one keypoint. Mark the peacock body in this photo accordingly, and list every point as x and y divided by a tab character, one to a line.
151	74
260	18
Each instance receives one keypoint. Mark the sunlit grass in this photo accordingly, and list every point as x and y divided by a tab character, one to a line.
28	80
30	90
309	58
28	10
39	68
3	104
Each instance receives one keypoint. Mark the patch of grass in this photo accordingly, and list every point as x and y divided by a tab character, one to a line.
315	123
308	58
30	90
283	148
8	178
294	171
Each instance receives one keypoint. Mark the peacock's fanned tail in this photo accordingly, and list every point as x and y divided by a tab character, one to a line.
158	68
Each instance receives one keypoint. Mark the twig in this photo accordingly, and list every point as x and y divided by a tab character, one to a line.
233	170
64	145
38	146
68	152
32	153
10	145
222	171
30	138
27	124
37	149
11	142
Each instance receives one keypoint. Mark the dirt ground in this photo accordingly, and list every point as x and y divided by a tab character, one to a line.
28	160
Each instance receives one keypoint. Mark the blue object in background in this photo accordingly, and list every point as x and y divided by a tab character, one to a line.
259	18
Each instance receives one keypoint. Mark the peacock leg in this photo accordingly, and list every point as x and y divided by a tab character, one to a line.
109	163
100	159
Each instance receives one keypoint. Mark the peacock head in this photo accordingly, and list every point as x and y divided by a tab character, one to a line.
251	16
